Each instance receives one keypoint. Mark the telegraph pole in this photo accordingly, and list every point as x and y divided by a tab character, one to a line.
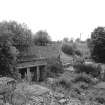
60	50
80	36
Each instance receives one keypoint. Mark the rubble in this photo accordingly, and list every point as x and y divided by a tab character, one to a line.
26	94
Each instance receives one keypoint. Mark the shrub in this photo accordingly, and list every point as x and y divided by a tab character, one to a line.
100	100
88	69
54	68
71	49
83	78
78	60
68	76
68	49
78	52
63	84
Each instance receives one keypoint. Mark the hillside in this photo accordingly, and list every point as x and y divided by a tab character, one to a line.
34	51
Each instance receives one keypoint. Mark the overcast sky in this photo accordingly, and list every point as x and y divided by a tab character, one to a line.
61	18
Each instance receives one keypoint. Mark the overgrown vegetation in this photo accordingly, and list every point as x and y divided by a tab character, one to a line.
14	37
79	83
82	77
68	49
71	49
97	44
19	34
8	56
89	69
62	85
54	68
41	38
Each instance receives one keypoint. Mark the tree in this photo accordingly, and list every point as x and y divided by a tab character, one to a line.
71	49
68	49
65	39
20	35
14	38
97	44
41	38
78	40
8	56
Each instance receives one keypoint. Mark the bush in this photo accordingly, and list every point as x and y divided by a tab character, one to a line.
100	100
78	52
88	69
68	49
83	78
63	84
71	49
54	69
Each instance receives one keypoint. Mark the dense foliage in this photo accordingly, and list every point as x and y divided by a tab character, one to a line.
68	49
14	37
8	56
63	83
41	38
97	44
71	49
19	34
54	68
88	69
83	77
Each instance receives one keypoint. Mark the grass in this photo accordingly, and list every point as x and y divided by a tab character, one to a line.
84	49
77	90
80	86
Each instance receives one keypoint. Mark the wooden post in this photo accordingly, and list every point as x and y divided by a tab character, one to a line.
28	74
38	73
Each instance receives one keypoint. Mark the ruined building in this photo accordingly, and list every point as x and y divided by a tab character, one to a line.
32	62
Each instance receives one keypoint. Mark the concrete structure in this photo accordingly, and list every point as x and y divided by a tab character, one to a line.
31	70
31	63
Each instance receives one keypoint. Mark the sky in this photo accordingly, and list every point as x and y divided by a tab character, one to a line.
60	18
